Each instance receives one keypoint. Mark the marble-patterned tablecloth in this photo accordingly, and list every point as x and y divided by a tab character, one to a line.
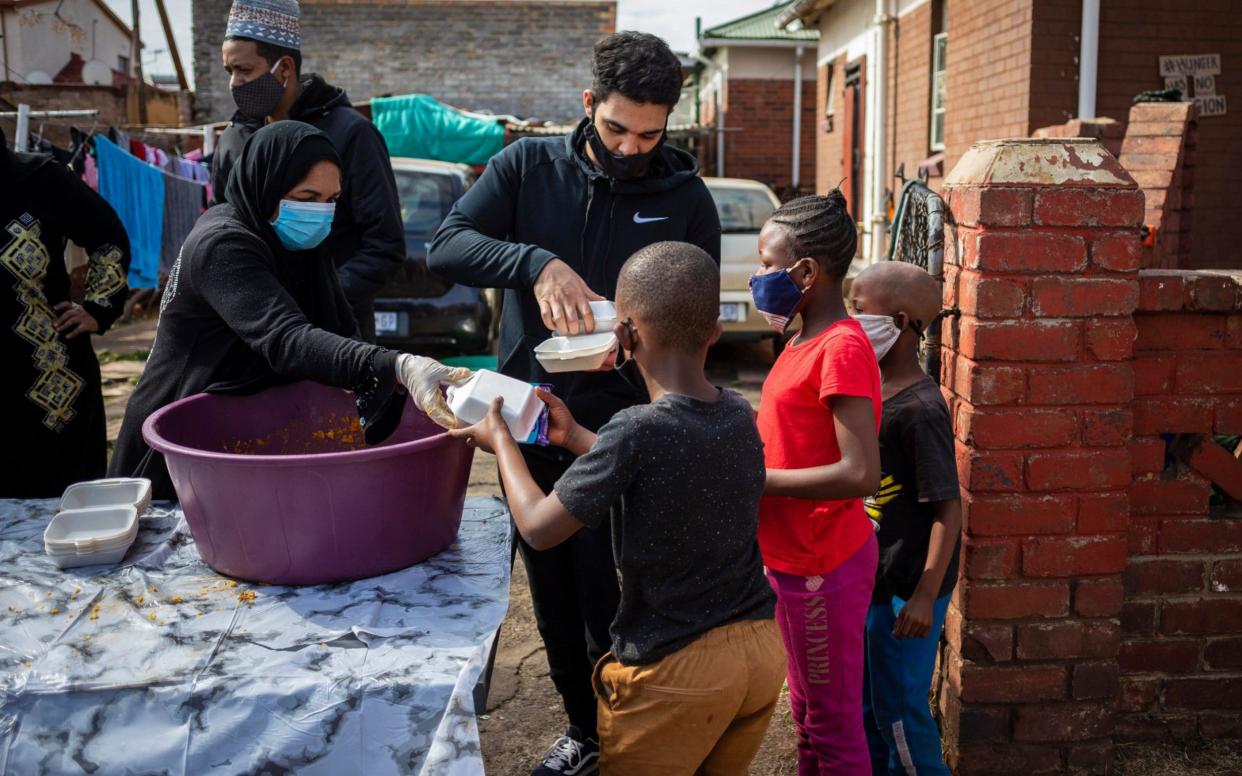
161	666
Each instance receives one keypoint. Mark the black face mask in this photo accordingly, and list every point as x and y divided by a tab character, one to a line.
258	98
622	168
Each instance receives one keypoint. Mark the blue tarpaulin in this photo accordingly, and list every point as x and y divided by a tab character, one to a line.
419	126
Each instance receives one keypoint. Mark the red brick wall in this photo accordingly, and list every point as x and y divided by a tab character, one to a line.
989	73
1100	597
1055	29
1160	150
759	136
909	109
1037	375
1181	648
1133	35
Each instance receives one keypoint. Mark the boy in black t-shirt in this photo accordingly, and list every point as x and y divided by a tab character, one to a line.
918	513
697	662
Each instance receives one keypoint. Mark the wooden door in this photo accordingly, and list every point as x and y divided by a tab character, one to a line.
854	135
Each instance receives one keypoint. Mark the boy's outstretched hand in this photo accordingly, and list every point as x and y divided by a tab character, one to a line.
563	430
488	434
915	619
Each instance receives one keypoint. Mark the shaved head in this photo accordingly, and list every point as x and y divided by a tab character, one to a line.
674	288
890	287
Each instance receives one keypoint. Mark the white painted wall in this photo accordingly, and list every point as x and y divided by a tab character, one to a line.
770	63
38	40
843	28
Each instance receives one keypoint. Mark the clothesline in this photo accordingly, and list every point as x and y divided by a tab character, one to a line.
157	206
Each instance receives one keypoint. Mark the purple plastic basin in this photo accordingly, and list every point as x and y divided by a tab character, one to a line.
311	506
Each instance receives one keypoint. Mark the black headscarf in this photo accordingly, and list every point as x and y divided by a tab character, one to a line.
271	163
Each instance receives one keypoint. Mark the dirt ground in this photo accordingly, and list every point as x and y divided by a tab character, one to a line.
523	713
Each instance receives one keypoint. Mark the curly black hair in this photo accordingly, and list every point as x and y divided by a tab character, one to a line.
820	226
639	66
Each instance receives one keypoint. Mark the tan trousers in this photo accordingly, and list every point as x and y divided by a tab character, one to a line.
702	710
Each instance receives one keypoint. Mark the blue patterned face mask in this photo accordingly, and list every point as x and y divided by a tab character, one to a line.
303	225
777	297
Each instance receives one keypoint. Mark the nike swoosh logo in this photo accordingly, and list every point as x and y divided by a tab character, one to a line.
638	219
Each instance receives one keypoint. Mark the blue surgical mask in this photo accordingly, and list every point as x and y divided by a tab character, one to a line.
303	225
777	297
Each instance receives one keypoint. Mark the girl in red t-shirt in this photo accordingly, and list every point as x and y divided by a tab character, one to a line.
819	419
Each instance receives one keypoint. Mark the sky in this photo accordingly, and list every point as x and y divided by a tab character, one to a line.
672	20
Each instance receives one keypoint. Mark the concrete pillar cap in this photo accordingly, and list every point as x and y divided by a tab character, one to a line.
1040	161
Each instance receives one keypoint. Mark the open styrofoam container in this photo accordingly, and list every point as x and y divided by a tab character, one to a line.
471	400
576	354
605	315
88	530
121	491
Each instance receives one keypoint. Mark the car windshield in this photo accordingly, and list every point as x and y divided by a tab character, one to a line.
426	198
741	210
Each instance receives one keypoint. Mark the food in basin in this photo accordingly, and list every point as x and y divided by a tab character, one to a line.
279	486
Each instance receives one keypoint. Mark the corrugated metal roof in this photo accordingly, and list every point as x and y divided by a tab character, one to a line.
759	26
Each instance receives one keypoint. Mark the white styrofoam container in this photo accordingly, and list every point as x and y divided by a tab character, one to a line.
471	400
87	537
585	353
120	491
605	315
108	557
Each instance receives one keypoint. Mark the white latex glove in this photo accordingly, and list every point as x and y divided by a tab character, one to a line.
422	377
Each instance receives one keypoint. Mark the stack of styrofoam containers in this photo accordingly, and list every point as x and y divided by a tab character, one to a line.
582	352
471	400
97	522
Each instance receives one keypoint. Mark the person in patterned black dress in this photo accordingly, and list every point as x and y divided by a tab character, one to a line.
50	391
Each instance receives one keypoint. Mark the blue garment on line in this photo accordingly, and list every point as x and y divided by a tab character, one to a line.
135	190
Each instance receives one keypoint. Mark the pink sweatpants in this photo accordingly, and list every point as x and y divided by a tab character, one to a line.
823	620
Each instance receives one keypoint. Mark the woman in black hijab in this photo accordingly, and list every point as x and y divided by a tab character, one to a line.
253	301
50	389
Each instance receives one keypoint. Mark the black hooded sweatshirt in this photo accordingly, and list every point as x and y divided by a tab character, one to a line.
241	312
368	239
542	198
51	391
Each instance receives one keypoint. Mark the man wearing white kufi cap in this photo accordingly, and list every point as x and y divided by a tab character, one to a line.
262	54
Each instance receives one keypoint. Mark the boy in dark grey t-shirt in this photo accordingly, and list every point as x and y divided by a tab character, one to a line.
697	662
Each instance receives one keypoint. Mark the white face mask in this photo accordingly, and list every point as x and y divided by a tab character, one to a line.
882	332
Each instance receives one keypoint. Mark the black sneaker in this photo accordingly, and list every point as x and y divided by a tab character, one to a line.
571	755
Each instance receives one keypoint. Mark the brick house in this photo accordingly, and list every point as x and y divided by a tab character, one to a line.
945	73
530	58
752	78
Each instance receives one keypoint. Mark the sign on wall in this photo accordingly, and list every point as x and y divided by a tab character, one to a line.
1190	64
1194	75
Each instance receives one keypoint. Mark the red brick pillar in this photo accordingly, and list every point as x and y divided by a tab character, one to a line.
1041	255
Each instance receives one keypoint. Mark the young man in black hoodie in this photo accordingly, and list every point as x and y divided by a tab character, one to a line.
263	58
552	221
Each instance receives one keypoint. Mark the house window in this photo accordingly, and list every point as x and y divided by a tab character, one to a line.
939	45
122	64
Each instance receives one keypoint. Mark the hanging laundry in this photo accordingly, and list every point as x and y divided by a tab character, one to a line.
119	138
81	150
183	204
138	148
135	190
90	172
